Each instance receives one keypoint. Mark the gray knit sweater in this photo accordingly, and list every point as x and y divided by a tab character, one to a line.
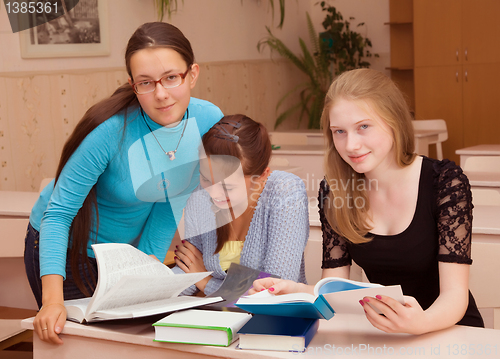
275	241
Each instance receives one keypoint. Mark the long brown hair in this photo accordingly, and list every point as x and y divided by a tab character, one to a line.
381	93
149	35
253	149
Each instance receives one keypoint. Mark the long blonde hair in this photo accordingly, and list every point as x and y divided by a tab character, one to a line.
350	218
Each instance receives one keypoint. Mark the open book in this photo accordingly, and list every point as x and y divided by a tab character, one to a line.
132	284
331	295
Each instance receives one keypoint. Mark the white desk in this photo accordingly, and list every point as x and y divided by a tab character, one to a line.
339	336
423	138
483	179
314	137
15	208
486	223
290	169
16	203
309	158
479	150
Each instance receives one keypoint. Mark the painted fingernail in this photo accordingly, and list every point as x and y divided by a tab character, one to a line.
361	302
183	241
263	289
176	246
175	250
175	258
271	289
378	296
366	300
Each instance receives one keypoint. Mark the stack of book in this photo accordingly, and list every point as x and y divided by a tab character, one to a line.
280	322
289	322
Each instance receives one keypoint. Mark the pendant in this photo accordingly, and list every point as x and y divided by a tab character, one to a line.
171	155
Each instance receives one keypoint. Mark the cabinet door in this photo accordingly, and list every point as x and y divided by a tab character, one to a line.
438	95
481	104
481	31
437	32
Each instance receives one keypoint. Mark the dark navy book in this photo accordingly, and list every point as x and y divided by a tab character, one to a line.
268	332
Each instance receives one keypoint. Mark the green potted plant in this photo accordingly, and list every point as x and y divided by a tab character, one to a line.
337	49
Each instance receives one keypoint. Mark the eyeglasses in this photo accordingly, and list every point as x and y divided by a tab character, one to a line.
168	82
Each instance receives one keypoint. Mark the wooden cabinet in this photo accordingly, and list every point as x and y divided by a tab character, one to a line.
456	65
481	104
438	94
437	32
480	31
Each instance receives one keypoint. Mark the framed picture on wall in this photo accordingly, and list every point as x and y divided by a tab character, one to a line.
81	31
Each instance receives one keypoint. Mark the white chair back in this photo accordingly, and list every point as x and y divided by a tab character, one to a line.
437	124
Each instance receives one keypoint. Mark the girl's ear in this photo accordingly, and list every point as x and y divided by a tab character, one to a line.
130	81
265	174
193	75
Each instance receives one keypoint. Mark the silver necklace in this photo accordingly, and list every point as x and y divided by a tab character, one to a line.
170	154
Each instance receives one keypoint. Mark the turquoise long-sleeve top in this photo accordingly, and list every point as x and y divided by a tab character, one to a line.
140	192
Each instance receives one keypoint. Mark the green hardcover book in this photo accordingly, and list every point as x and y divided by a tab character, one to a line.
203	327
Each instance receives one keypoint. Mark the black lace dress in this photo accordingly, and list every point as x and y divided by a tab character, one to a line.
440	231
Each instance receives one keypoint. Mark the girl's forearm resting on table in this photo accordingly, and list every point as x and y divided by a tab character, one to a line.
52	289
450	306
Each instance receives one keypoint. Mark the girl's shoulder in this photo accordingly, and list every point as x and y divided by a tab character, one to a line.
202	107
205	112
444	171
450	184
278	178
281	184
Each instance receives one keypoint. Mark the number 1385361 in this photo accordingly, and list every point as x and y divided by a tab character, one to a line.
31	7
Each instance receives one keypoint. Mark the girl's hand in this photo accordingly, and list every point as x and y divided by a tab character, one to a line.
397	318
277	286
49	322
189	258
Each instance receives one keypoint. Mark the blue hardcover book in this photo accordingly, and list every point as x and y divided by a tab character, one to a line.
331	295
267	332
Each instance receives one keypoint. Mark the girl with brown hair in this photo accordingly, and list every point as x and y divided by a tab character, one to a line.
242	212
405	219
124	175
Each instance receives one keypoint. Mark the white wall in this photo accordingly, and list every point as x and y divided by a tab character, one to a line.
219	30
227	30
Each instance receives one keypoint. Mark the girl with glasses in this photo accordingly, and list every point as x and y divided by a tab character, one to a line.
242	212
408	218
124	174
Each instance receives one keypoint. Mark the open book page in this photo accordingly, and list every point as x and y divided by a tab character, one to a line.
335	284
152	308
76	308
115	260
265	297
131	290
347	302
343	295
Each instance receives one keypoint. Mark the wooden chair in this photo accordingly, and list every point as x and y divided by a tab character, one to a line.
483	278
434	125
